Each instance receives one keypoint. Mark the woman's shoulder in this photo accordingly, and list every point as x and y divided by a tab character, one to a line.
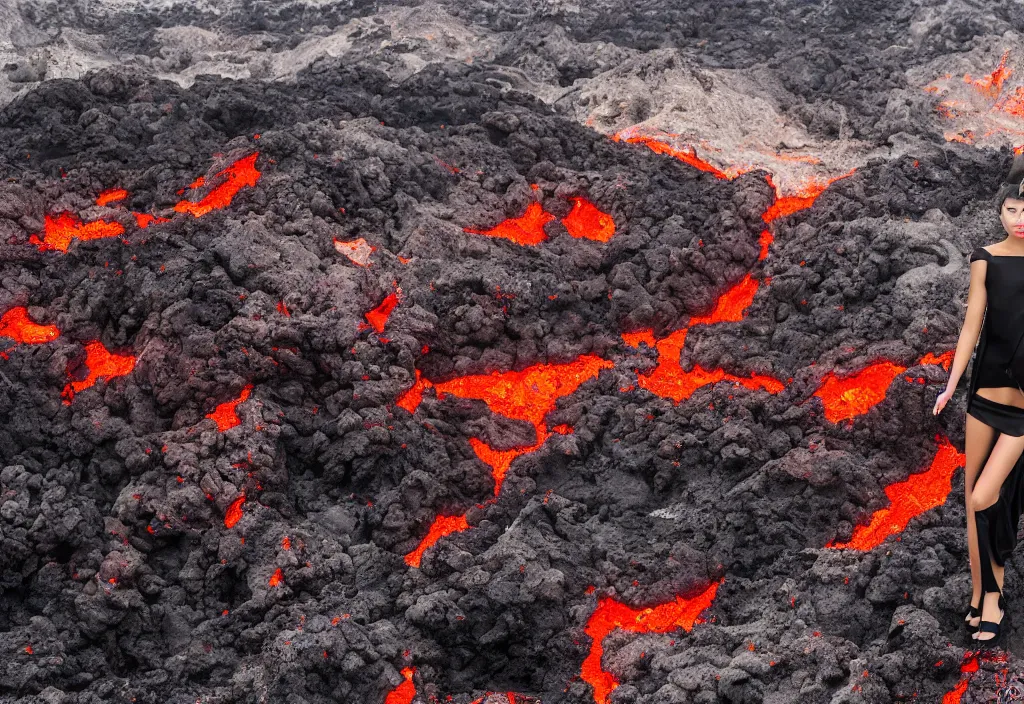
980	253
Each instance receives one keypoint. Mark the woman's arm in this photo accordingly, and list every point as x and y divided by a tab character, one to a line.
977	299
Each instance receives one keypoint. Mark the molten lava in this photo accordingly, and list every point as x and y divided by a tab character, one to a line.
378	317
908	499
803	199
101	364
610	614
234	512
732	305
992	84
111	195
687	154
527	229
587	222
236	176
442	526
358	251
403	693
277	578
16	325
224	414
60	229
856	394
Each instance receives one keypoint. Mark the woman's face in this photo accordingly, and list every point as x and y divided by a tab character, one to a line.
1012	217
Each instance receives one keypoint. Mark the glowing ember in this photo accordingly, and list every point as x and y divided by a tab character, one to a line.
144	220
500	460
16	325
410	399
111	195
224	414
610	614
858	393
908	499
403	693
731	305
236	176
442	526
587	222
59	230
378	317
234	512
358	251
956	695
277	578
283	309
528	229
101	365
803	199
992	84
687	154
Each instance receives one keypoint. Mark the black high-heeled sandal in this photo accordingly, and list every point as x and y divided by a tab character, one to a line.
974	613
997	628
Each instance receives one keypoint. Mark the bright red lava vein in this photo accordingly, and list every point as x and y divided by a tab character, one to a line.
236	176
586	221
16	325
403	693
358	251
442	526
378	317
224	414
527	229
803	199
234	513
60	229
611	614
908	499
111	195
101	365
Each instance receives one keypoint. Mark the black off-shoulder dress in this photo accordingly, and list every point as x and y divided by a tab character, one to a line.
1004	322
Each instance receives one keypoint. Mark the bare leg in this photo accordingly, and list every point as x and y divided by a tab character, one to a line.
977	445
1001	461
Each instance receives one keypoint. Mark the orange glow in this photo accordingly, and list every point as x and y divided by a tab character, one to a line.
858	393
731	305
111	195
101	365
286	543
587	222
528	229
411	398
144	220
276	578
1012	104
956	695
16	325
60	229
563	429
610	614
358	251
633	339
239	174
224	414
442	526
403	693
378	317
283	309
500	460
992	84
687	154
803	199
908	499
234	512
945	359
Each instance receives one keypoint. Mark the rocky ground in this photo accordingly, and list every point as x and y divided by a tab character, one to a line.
476	353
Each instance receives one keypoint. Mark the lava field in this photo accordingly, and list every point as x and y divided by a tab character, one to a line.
402	353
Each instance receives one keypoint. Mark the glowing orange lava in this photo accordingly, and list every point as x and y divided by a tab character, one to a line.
858	393
992	84
803	199
587	222
101	365
236	176
111	195
224	414
687	154
16	325
442	526
144	220
378	317
528	229
610	614
731	305
234	512
908	499
358	251
277	578
60	229
406	691
411	398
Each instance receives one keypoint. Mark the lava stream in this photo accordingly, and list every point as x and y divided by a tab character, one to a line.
101	364
16	325
378	317
59	230
908	499
586	221
234	513
527	229
225	415
236	176
403	693
611	614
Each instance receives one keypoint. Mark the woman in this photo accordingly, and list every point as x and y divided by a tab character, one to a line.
994	444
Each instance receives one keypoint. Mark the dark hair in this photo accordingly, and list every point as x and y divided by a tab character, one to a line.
1013	185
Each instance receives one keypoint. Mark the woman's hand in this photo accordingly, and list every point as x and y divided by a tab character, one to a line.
940	402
